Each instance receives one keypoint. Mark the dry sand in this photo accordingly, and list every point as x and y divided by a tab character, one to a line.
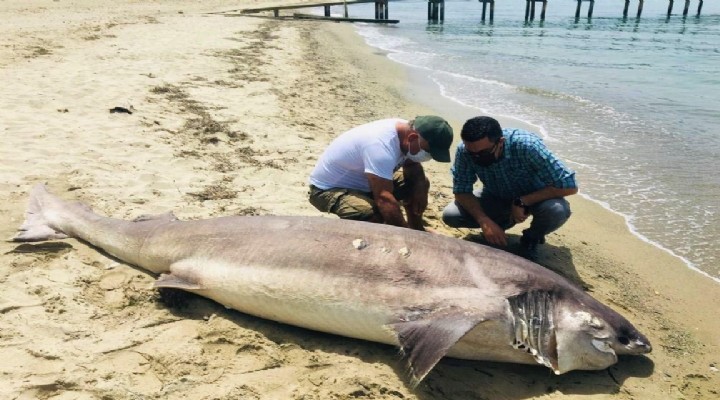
229	117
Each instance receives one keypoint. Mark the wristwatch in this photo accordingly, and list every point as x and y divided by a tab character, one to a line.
518	202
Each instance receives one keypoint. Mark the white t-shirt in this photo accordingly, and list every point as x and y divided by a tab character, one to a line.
372	148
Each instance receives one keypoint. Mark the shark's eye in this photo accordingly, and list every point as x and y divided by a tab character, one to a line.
623	340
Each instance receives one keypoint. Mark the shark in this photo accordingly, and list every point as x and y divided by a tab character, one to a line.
431	295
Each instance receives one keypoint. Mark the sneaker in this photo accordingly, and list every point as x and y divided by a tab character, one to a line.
528	247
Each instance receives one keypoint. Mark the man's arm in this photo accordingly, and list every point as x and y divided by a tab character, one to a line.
548	192
464	178
559	180
416	203
519	213
387	204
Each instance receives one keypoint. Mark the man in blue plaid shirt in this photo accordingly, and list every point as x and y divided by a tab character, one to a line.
520	178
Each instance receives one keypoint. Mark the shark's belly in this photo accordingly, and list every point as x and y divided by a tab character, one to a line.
303	298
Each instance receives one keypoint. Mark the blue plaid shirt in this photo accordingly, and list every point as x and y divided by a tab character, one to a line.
525	166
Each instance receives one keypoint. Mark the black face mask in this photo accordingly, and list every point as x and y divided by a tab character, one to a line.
484	160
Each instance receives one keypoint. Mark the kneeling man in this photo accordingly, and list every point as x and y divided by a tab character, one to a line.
367	171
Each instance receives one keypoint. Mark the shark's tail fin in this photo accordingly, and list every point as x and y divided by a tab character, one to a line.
36	227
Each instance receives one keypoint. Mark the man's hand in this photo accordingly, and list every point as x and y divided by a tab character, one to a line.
387	204
415	206
493	233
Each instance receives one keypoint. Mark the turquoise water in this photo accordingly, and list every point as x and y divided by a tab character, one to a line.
633	105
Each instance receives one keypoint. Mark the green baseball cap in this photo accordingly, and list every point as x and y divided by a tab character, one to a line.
438	133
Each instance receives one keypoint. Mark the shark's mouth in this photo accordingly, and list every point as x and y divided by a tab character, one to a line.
534	326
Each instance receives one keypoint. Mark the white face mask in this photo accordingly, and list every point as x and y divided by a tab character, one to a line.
420	156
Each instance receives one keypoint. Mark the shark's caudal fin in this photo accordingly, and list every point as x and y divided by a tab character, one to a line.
424	342
36	226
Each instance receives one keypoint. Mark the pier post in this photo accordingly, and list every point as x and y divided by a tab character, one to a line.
670	7
640	7
625	10
530	9
577	10
687	7
381	9
590	10
436	10
527	9
699	7
492	9
327	10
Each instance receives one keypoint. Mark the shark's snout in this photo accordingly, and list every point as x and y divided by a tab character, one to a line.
632	345
640	347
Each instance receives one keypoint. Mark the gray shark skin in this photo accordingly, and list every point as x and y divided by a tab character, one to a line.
431	295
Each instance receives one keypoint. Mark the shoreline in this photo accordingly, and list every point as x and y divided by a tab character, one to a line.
230	116
688	264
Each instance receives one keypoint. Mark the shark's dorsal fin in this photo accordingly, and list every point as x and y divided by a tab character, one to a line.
178	281
425	341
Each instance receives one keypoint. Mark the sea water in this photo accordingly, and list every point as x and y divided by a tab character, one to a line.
632	105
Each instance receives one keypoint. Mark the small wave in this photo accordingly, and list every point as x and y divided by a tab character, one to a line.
476	79
576	163
551	94
443	92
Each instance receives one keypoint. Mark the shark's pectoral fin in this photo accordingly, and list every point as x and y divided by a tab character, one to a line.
178	281
425	341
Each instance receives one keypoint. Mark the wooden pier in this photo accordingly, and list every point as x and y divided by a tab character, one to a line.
436	10
381	11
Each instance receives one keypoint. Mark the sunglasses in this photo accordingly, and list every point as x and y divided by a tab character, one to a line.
485	152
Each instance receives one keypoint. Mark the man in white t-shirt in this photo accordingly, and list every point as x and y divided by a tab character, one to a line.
367	171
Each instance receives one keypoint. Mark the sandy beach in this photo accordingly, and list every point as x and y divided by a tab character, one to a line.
227	117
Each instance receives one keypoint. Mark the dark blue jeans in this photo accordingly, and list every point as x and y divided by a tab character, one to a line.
547	216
